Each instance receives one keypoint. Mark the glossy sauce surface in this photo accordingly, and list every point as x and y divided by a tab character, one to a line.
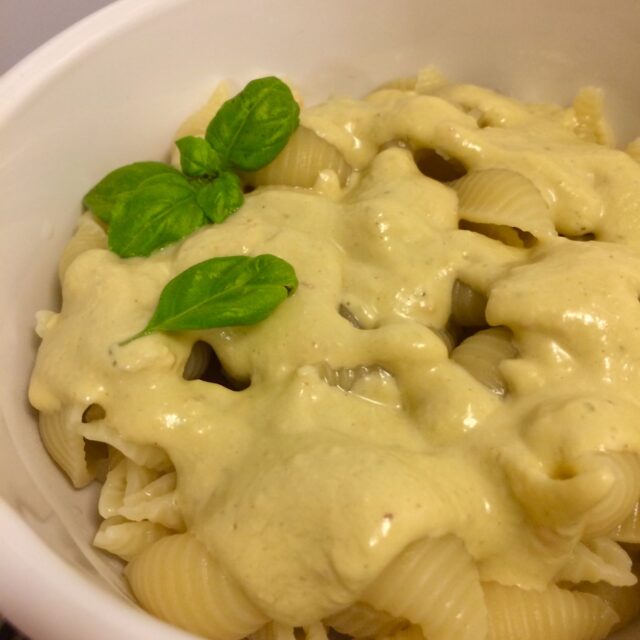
305	490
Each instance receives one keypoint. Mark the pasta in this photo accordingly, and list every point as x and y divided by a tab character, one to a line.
89	235
629	529
301	161
503	198
482	353
274	631
435	584
362	621
555	614
66	445
436	437
589	113
127	539
596	560
467	306
624	601
156	503
179	581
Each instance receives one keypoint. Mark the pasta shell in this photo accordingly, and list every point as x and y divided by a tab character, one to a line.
596	495
299	164
315	631
198	360
482	353
600	559
370	382
89	235
407	83
60	433
501	232
504	198
274	631
127	539
433	583
629	529
196	124
139	477
467	305
448	335
145	455
178	580
553	614
362	621
437	165
621	499
591	124
413	632
625	601
348	315
346	377
113	490
156	502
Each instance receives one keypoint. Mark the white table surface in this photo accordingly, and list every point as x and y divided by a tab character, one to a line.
26	24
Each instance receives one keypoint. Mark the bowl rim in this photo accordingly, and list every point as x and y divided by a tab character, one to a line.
30	571
30	578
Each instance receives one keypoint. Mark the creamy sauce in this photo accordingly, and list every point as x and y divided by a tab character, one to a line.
305	491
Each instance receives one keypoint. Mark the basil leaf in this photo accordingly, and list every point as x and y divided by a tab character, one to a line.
251	129
109	196
220	198
163	210
222	292
197	157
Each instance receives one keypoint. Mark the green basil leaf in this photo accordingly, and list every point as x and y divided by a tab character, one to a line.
110	195
222	292
251	129
197	157
163	210
220	198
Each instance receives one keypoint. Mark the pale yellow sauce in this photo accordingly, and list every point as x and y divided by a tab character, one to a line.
304	491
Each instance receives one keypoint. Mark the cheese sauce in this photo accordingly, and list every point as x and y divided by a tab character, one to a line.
304	490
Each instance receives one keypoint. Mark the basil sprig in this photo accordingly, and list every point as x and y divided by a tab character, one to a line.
162	210
149	205
222	292
197	157
251	129
220	197
110	195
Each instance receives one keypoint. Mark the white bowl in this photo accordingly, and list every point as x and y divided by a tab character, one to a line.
111	90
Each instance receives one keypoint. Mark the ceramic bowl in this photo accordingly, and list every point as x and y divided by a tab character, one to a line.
111	90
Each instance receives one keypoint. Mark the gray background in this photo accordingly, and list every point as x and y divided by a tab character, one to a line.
26	24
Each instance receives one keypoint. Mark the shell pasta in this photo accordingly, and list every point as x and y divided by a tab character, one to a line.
435	584
176	579
555	614
301	161
435	436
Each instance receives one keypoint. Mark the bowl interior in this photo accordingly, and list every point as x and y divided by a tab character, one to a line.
113	89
